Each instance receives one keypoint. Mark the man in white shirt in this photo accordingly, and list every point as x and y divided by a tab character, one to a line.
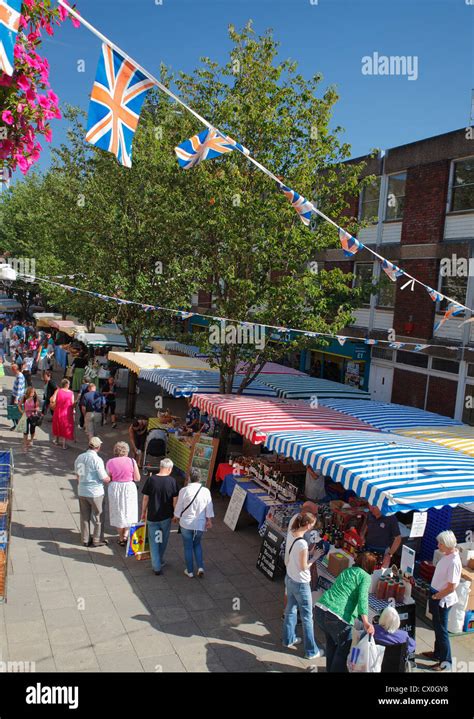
91	474
194	511
445	579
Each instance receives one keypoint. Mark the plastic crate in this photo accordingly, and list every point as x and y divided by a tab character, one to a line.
469	622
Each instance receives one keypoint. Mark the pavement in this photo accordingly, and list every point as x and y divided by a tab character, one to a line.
73	609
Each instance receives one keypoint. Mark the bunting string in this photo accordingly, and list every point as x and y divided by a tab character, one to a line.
116	100
185	315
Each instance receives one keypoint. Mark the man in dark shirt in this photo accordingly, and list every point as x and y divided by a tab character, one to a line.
94	403
160	496
383	535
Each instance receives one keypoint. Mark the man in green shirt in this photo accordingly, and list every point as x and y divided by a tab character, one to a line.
341	605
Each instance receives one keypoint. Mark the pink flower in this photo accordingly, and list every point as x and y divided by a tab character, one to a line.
49	29
7	117
31	95
24	21
5	80
48	135
18	51
40	125
23	82
29	3
22	163
53	97
43	102
20	108
63	13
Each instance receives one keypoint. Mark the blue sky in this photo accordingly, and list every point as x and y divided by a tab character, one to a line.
330	37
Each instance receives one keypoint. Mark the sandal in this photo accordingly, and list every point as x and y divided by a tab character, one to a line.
122	542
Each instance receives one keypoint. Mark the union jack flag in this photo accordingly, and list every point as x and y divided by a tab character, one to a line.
452	310
10	12
341	340
435	296
349	244
207	145
116	101
303	207
371	342
392	270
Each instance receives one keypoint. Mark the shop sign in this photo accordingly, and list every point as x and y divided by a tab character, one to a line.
268	557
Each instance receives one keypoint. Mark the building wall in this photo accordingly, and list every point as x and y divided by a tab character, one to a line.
409	388
441	396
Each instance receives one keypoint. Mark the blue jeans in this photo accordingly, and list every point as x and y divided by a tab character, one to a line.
299	597
442	647
192	548
338	640
158	535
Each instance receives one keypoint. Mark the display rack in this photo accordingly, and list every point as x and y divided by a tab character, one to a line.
6	494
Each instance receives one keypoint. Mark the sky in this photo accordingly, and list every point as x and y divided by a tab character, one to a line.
327	36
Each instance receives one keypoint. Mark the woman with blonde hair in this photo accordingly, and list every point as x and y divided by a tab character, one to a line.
124	475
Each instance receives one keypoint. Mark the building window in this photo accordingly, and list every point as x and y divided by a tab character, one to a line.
395	196
381	353
386	291
369	201
363	274
468	411
462	197
443	365
412	358
470	370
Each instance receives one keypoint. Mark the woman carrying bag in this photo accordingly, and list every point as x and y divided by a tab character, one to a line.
31	408
194	512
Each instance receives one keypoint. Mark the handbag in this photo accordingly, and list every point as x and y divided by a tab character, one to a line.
21	426
187	507
69	372
36	419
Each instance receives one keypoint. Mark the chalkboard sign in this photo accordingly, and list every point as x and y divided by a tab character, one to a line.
268	558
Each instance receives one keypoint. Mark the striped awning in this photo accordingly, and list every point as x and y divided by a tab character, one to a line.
62	325
389	417
460	439
394	473
97	339
272	368
189	350
137	361
256	418
304	387
186	383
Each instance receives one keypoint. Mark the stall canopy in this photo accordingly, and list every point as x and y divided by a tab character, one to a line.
389	417
137	361
97	339
272	368
303	386
62	325
185	383
109	329
189	350
46	315
460	439
256	418
397	474
9	305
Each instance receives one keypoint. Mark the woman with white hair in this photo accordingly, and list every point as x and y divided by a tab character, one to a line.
388	632
446	578
123	496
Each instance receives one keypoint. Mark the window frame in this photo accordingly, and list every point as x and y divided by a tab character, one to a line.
452	186
399	218
361	202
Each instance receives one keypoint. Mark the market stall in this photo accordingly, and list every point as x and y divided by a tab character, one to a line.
255	418
184	383
179	348
460	438
138	361
98	339
305	387
389	417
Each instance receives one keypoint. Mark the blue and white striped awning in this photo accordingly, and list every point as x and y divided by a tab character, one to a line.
389	417
387	471
305	387
186	383
189	350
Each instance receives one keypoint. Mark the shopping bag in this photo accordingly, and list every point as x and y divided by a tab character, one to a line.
366	656
137	545
21	426
2	370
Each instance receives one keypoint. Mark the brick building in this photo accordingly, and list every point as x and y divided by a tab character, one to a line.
421	213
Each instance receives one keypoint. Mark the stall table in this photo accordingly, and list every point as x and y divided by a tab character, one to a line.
253	504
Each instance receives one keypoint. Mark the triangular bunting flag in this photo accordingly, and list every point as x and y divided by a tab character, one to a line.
396	345
418	348
207	145
371	342
303	207
341	340
392	270
10	12
349	244
117	98
435	296
186	315
452	310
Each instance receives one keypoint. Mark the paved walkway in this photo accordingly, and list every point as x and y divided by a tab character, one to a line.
75	609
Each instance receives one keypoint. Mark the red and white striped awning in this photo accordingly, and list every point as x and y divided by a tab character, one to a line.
254	418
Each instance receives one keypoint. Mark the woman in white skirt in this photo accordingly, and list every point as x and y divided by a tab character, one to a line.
123	496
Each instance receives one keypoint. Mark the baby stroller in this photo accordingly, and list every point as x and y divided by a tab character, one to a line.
155	451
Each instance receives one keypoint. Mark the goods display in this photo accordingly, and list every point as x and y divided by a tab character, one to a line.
281	514
269	478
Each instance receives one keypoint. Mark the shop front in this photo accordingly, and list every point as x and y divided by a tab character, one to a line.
349	364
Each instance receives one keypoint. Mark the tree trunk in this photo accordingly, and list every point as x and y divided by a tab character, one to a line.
131	394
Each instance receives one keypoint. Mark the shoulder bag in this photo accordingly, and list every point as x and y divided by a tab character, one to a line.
187	507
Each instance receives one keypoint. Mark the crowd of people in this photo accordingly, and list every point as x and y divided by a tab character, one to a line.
114	484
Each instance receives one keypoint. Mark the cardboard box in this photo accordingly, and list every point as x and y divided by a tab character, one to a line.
470	564
466	552
337	562
468	575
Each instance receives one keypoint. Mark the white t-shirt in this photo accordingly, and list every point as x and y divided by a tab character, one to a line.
91	470
293	550
448	571
201	508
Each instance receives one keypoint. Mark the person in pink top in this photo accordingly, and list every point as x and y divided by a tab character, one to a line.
124	475
62	402
31	407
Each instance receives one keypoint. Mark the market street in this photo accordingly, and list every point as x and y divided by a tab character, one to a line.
75	609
